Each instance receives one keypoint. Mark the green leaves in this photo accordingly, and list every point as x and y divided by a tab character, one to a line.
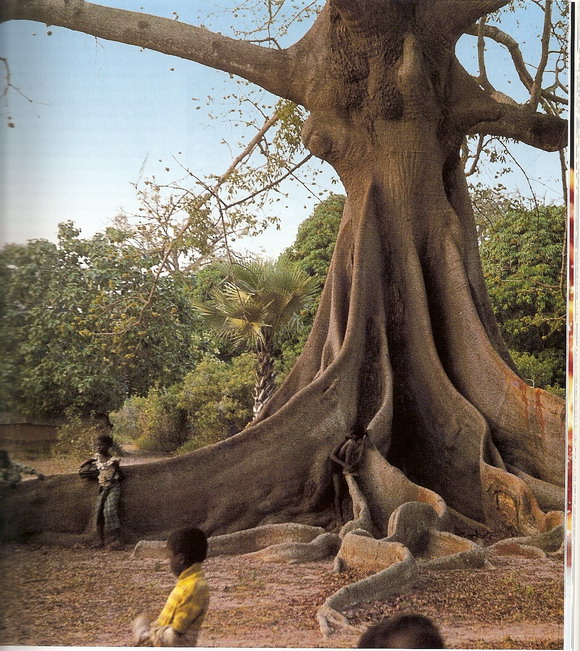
80	329
522	262
259	301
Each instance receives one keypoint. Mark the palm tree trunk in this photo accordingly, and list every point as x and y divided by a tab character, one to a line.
265	376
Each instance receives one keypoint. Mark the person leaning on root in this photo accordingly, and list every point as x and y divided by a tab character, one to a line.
345	459
11	471
107	507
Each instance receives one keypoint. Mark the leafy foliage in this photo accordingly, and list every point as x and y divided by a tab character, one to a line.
259	300
79	330
212	402
522	260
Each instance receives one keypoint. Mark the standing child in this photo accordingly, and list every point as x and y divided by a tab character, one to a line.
107	507
181	618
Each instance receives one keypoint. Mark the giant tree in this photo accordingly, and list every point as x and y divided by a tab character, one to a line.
404	341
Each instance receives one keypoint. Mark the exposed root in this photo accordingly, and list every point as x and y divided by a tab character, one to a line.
361	513
549	541
257	538
323	546
394	579
331	621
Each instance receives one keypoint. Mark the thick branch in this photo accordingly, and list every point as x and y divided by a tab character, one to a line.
270	69
473	110
537	85
511	44
545	132
454	17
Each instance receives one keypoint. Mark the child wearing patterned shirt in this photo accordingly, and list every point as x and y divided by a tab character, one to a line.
10	471
181	618
107	506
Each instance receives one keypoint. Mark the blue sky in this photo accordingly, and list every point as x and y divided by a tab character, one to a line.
105	115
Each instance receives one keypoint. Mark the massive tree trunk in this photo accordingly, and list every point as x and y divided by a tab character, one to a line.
404	341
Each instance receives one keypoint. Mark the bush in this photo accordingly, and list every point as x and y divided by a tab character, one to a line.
77	438
543	369
155	423
212	402
127	421
217	397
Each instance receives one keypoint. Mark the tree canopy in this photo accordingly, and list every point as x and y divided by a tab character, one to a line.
522	263
78	332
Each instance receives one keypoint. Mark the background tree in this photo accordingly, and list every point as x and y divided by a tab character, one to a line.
78	334
521	254
259	303
404	342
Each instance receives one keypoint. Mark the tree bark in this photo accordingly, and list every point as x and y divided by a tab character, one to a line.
404	342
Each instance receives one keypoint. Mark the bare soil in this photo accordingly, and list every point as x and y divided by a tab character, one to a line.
82	597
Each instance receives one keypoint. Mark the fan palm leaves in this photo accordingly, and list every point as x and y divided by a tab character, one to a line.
257	303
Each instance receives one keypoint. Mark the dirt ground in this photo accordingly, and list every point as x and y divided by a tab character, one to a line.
81	597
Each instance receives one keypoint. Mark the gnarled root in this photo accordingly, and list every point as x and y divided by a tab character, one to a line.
323	546
394	579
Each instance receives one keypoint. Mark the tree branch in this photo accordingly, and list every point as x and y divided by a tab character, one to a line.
539	130
273	70
475	111
453	17
536	90
499	36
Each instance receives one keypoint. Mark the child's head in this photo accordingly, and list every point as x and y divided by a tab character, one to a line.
186	546
103	443
357	432
402	632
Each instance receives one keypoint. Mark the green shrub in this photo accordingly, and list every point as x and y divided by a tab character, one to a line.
128	421
76	438
212	402
163	423
542	369
217	397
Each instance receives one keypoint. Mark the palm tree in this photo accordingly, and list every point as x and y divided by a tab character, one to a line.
258	303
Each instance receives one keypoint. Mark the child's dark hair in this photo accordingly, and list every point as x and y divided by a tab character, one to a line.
189	541
403	632
358	430
105	439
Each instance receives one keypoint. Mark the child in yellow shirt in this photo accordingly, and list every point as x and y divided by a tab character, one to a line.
181	618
